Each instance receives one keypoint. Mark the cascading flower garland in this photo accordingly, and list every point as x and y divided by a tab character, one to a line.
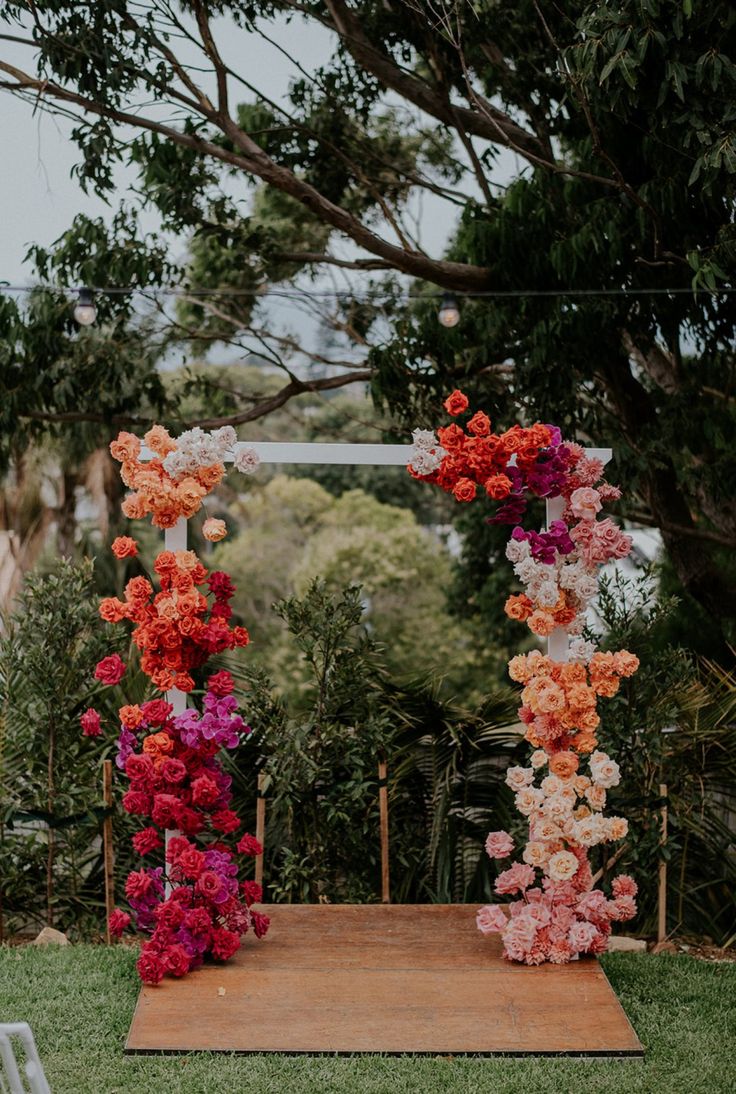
557	913
177	782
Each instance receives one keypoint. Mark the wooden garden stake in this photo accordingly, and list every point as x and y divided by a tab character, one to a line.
662	894
260	824
383	811
108	854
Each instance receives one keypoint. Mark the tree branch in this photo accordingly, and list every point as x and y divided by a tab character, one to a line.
498	128
253	160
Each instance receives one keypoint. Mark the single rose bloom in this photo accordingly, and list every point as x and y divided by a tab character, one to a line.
464	490
491	918
585	503
562	866
456	403
159	441
151	967
252	892
225	820
535	853
497	487
130	716
221	683
564	764
112	610
499	844
518	606
177	960
480	424
110	670
249	845
124	547
214	530
146	841
117	921
90	723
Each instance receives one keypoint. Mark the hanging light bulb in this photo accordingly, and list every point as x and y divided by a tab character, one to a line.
449	313
85	311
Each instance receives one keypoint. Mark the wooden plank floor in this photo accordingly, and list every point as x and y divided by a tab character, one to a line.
382	978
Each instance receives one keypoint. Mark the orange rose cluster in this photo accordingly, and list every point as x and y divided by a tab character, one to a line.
177	629
560	698
174	483
475	457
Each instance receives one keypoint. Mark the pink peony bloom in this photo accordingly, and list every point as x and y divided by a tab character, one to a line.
499	844
491	918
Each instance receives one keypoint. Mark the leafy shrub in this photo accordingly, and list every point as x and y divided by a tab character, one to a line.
673	723
50	777
320	752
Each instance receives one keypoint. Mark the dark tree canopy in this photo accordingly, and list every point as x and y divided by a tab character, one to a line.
620	120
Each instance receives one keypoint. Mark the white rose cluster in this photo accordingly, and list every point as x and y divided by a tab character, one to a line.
196	448
427	453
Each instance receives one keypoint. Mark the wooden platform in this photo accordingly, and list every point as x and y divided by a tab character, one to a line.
382	978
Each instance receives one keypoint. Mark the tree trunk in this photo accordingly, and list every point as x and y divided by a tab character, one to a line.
66	514
692	557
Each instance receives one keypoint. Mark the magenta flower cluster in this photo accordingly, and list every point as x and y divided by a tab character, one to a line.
219	724
545	546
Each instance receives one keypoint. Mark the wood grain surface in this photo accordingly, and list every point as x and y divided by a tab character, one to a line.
382	978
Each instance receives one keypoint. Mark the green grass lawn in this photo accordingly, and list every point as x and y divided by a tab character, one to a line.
79	1001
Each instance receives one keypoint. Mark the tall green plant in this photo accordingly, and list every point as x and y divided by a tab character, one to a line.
50	861
320	749
673	724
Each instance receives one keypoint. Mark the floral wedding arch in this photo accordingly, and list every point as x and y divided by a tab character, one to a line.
196	905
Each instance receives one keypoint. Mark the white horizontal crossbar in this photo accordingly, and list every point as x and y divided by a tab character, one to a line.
386	455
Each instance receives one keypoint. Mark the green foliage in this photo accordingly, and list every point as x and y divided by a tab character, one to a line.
672	724
320	747
50	776
60	381
293	532
320	755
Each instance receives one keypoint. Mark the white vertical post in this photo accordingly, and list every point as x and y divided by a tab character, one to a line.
175	539
558	642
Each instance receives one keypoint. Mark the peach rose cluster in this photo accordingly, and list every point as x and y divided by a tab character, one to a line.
176	480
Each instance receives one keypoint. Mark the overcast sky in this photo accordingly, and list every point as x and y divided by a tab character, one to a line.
39	197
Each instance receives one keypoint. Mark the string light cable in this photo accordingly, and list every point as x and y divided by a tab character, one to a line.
85	311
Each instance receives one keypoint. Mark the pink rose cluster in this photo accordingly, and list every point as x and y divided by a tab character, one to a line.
559	920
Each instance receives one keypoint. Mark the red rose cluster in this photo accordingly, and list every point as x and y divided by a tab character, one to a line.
481	458
180	786
177	628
